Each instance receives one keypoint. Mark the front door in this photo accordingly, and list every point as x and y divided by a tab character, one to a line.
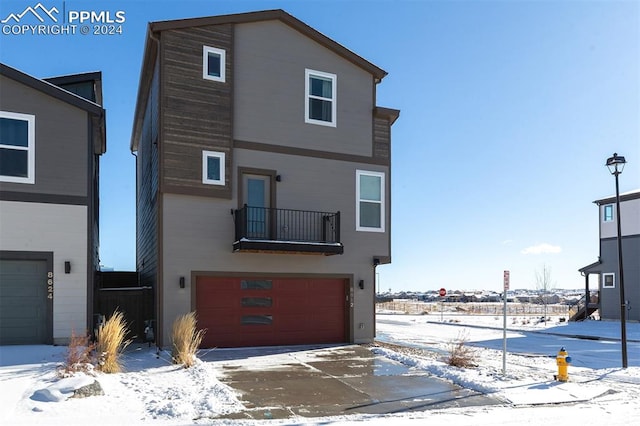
257	198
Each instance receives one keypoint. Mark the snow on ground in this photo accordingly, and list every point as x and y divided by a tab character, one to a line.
154	391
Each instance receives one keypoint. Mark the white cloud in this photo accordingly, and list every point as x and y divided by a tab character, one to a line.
542	248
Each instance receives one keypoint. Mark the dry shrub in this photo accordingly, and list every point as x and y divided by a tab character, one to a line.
79	356
186	339
111	342
461	355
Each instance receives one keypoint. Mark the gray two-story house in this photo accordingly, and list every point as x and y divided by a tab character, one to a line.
607	268
263	181
52	133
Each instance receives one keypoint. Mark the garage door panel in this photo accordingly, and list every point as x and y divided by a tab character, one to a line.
23	302
301	311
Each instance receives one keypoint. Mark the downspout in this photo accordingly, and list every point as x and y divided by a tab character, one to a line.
158	290
137	271
376	262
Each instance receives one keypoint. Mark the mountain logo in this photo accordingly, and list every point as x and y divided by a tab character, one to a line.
38	11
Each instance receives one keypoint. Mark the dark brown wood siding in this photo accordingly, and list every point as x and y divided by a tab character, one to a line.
381	138
196	112
147	191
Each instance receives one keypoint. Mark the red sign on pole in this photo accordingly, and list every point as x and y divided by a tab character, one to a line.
506	280
442	292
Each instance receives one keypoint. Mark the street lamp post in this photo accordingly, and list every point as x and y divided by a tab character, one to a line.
616	165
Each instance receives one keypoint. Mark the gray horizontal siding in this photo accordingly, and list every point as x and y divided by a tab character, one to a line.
269	93
62	141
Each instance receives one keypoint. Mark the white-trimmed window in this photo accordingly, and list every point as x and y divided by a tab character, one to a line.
213	167
17	147
213	64
609	280
320	98
370	201
607	213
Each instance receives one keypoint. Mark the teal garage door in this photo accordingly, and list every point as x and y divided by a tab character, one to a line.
24	319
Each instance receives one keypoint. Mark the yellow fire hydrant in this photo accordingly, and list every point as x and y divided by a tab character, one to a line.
563	360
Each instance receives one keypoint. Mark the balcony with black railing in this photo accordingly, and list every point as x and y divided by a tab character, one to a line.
264	229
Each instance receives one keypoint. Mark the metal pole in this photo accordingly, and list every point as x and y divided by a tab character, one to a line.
623	303
504	336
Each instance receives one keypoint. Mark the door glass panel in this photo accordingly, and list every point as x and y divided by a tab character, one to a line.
256	302
256	284
256	192
257	197
257	319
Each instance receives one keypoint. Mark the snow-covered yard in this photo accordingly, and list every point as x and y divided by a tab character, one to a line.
154	391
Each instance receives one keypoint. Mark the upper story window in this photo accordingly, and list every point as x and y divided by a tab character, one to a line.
320	98
213	167
608	280
607	213
369	201
17	147
213	64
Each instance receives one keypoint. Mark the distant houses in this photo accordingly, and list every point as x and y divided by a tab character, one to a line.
568	297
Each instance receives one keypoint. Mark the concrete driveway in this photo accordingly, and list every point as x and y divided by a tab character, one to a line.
280	382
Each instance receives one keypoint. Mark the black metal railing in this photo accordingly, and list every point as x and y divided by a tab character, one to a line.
286	225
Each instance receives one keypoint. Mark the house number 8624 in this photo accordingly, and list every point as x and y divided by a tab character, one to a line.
50	286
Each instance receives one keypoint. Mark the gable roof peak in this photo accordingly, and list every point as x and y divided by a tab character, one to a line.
271	15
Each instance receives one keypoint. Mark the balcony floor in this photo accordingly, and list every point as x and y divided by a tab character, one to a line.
287	247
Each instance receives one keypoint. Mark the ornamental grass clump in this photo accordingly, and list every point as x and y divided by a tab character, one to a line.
111	342
79	357
186	340
461	355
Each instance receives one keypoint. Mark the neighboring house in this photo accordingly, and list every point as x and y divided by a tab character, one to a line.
263	181
607	265
52	133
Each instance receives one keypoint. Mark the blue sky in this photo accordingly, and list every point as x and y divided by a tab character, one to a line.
509	111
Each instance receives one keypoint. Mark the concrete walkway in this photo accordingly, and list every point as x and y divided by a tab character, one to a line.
329	381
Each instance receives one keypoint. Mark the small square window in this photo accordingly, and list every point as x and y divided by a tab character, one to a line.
607	215
320	98
17	147
608	280
213	64
213	168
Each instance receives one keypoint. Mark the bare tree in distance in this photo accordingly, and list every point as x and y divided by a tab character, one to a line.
543	285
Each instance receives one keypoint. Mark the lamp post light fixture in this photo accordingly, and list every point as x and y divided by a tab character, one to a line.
616	165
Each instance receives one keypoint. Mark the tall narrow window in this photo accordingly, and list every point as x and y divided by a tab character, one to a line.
370	201
213	64
17	147
213	167
609	280
607	215
320	98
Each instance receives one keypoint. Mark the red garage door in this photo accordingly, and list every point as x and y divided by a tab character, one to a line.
271	311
